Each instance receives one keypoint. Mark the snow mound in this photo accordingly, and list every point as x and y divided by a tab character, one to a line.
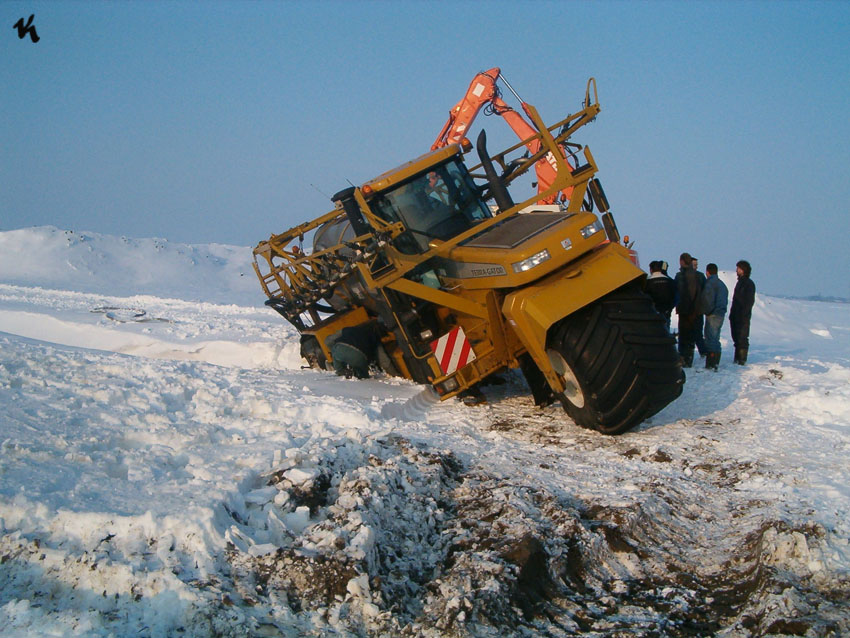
48	257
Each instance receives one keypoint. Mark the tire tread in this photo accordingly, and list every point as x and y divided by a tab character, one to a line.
624	358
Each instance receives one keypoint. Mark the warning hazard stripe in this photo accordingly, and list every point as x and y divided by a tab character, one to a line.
452	350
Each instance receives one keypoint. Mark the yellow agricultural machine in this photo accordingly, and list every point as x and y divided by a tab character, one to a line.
453	281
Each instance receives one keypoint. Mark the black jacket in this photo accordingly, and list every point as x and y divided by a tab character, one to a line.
742	300
662	291
689	283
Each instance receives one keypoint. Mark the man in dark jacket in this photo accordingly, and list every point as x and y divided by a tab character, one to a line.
688	290
741	311
661	290
700	339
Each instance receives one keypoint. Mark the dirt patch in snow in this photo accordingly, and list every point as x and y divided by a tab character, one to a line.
406	541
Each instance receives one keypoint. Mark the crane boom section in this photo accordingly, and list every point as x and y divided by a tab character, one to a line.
482	92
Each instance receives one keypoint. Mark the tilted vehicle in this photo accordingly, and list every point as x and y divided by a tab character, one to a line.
458	290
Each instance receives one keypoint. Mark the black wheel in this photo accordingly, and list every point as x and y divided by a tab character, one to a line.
312	352
618	361
386	363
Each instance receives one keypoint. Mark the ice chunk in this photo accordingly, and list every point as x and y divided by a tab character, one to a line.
262	550
234	536
299	476
262	495
359	586
298	520
347	501
362	543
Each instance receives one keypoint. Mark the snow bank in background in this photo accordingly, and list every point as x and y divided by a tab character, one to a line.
89	262
151	327
166	468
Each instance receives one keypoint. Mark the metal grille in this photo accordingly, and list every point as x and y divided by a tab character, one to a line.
512	232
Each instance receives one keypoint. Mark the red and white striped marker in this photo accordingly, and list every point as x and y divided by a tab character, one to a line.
452	350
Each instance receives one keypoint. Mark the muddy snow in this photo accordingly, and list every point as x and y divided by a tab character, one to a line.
167	468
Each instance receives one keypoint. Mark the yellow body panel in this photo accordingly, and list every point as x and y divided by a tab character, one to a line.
536	308
550	239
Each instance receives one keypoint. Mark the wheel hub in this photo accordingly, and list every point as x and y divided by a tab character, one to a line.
572	389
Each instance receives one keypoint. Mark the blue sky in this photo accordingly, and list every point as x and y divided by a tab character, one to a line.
724	128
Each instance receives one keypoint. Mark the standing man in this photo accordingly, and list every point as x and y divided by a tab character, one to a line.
688	290
741	311
661	290
700	340
715	297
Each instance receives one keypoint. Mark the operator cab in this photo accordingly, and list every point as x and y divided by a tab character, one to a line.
439	203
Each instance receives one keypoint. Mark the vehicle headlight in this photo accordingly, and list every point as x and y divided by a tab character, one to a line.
591	229
531	262
449	385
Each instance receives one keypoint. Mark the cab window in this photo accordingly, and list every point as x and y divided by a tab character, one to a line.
438	204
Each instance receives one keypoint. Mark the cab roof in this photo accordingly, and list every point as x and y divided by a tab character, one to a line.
413	167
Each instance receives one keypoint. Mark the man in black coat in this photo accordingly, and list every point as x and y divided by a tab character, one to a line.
688	289
741	311
661	290
700	340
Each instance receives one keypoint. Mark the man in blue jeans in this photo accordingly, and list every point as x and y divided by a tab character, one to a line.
713	302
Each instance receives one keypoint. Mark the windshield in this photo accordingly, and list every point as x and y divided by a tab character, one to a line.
439	204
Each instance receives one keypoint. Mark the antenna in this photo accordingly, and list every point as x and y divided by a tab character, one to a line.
319	191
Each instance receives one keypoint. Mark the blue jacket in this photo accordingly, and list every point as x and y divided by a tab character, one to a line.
715	297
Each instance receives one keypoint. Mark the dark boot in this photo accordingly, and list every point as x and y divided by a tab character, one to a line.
715	361
742	356
688	359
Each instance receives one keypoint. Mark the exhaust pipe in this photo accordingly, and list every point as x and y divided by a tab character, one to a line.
345	198
497	187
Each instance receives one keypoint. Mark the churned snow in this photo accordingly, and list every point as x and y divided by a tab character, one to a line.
167	468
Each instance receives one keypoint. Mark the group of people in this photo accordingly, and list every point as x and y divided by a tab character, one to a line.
701	301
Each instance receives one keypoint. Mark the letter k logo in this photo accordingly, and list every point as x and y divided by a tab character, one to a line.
28	29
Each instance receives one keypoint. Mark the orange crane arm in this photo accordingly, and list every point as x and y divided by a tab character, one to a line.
483	91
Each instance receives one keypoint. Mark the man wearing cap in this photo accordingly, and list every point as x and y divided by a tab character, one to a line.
661	290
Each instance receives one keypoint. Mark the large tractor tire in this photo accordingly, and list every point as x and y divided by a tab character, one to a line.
618	361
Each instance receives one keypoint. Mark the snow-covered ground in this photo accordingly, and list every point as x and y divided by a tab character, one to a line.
168	469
